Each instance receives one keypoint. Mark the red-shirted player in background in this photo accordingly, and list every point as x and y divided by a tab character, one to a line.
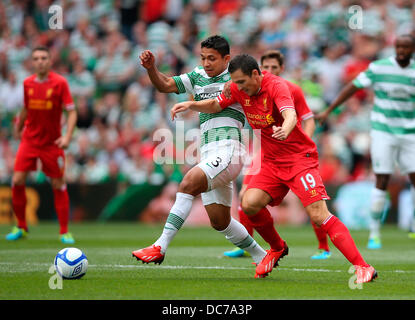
290	161
46	94
273	62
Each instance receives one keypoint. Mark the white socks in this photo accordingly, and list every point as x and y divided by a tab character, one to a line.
236	233
378	202
178	214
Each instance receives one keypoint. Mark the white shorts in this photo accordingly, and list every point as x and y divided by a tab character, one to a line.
221	167
391	150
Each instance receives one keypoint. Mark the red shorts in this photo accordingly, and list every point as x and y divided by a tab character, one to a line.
304	181
51	157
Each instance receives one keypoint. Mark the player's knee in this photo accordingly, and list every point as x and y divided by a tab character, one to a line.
219	224
249	206
188	186
193	184
382	181
18	180
317	212
241	193
57	183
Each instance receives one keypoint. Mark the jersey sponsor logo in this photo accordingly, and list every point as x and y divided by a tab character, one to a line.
208	95
260	119
40	104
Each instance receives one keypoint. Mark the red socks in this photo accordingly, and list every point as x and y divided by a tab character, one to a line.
264	225
62	208
341	238
19	205
244	220
321	237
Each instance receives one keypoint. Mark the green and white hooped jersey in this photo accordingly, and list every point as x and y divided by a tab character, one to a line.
216	128
394	89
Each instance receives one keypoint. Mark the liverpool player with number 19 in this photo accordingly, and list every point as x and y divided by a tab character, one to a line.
290	158
46	94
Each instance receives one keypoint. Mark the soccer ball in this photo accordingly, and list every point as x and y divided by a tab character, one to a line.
71	263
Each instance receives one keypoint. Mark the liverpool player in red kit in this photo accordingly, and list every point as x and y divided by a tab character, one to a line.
273	62
46	94
289	161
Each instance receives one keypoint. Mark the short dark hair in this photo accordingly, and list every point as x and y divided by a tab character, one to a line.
407	35
273	54
219	43
41	48
245	62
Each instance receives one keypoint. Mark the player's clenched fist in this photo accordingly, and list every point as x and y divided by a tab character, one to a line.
147	59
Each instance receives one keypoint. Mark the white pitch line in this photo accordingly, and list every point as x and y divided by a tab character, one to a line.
138	266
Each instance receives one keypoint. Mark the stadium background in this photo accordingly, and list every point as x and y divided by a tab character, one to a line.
110	170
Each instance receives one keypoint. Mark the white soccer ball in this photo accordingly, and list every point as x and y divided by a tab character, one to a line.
71	263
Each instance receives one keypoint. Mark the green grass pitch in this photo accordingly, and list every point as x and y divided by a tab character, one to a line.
195	268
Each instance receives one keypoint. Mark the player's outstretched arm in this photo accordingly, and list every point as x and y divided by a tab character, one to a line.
162	82
205	106
344	94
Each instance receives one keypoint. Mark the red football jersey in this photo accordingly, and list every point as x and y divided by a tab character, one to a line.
301	107
44	101
263	110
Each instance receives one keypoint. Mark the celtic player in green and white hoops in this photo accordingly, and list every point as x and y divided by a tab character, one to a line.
221	150
392	122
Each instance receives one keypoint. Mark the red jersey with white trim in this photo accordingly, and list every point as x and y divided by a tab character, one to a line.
263	111
301	106
44	101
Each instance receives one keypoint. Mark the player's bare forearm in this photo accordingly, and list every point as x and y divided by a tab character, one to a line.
290	121
71	123
344	94
162	82
309	126
205	106
63	141
20	122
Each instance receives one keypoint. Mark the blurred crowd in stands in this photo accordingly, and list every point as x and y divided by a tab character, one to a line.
119	110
